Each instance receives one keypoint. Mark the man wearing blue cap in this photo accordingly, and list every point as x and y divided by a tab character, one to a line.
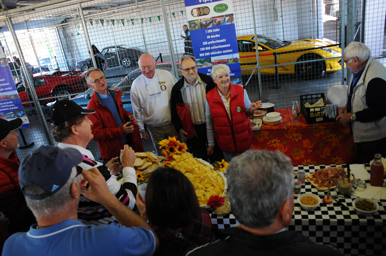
52	184
12	202
72	129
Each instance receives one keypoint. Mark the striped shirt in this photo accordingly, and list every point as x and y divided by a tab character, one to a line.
194	97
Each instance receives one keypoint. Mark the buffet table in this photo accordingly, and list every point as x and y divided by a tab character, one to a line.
350	233
306	144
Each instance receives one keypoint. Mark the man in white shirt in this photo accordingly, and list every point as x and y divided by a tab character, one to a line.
72	129
150	96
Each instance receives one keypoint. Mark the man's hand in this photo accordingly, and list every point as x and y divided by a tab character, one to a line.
210	150
128	128
145	135
97	190
255	105
128	156
344	118
342	110
183	133
114	166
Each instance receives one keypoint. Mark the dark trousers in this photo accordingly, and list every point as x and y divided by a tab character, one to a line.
367	150
198	145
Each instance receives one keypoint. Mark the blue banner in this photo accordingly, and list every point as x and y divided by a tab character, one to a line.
10	103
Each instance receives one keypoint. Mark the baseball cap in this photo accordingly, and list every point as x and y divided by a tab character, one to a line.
49	168
65	110
7	126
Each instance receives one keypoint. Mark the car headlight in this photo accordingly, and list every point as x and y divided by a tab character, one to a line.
332	51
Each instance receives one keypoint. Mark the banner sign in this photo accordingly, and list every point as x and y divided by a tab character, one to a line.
213	34
10	103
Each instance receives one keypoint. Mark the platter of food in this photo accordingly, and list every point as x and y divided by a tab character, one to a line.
321	177
206	181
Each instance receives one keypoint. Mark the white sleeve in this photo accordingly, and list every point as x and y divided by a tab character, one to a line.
209	125
129	175
136	105
247	102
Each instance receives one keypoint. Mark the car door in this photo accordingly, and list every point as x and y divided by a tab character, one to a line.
111	56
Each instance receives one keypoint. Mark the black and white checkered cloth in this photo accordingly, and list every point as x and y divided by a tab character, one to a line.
350	233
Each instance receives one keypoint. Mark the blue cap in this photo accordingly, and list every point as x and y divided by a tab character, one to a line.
49	168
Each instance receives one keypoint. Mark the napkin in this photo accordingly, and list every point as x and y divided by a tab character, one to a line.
359	171
319	103
372	192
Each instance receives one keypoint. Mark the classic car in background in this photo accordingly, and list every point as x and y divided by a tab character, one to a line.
115	56
323	56
50	86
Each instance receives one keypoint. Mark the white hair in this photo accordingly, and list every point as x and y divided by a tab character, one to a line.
357	49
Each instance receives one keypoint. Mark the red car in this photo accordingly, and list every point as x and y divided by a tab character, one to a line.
54	85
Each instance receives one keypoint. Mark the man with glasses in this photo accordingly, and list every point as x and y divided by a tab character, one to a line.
72	129
366	108
150	96
191	90
12	202
113	126
52	186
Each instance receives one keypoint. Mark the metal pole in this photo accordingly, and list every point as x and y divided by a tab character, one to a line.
29	82
86	35
33	46
342	10
169	37
257	51
363	21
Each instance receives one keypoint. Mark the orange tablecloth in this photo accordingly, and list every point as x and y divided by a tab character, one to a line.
306	144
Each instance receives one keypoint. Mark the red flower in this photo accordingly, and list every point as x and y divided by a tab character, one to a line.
216	201
172	144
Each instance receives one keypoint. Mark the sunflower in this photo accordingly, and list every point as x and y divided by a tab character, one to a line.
181	148
139	175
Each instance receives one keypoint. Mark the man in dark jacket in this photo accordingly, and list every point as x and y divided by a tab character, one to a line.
260	186
12	202
191	90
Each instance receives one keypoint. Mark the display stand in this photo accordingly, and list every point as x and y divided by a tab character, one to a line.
25	143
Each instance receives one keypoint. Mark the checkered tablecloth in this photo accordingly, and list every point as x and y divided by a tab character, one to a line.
350	233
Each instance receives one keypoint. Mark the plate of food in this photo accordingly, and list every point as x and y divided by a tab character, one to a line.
267	105
321	177
259	113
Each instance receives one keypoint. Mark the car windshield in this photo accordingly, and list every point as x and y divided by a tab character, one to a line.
271	43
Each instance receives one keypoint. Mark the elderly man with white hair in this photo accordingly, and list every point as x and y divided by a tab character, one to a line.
366	108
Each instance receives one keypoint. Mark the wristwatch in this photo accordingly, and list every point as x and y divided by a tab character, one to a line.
353	117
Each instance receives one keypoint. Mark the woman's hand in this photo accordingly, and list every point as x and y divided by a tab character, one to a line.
141	206
255	105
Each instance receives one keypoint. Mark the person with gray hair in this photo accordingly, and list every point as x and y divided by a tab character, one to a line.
227	112
365	110
190	91
260	187
52	184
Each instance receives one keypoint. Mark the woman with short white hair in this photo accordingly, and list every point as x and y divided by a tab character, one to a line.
227	114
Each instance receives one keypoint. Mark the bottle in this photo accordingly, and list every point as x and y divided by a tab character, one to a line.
301	176
376	172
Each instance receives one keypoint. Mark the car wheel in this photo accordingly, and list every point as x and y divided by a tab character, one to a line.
310	70
126	62
84	67
62	95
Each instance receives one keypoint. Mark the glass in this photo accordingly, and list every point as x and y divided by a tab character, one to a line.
295	111
297	187
301	176
142	191
188	69
344	186
345	61
98	80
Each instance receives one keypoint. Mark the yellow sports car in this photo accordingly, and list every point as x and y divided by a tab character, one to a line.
292	56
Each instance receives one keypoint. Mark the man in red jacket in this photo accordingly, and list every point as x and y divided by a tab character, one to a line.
12	202
113	126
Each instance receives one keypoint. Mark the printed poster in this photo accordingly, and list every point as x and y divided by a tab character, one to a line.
213	33
10	103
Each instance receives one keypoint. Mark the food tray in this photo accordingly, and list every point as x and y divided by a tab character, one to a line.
315	114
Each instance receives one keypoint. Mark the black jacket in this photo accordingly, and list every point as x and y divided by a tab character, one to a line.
176	97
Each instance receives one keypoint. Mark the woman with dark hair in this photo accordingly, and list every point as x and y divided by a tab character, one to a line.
99	58
171	206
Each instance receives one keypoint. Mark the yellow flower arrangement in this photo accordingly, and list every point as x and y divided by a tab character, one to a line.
221	166
172	146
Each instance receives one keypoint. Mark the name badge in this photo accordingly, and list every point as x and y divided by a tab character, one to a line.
238	109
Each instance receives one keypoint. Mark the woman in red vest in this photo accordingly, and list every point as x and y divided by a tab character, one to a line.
227	114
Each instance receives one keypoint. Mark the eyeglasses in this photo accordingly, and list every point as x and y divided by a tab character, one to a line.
346	61
98	80
147	67
188	69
